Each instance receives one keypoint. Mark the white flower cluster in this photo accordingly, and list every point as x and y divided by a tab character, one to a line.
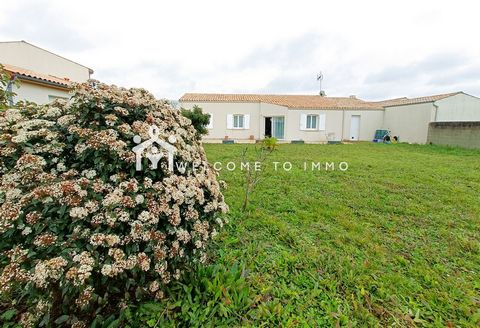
78	216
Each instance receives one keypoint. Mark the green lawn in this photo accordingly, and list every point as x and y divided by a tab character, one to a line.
394	240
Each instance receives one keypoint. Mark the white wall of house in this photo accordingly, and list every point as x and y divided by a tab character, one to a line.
460	107
330	124
219	114
409	122
38	93
370	120
297	129
28	56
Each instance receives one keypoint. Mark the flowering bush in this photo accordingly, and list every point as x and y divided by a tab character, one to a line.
82	231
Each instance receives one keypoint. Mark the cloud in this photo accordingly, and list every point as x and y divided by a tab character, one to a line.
437	73
293	63
465	74
291	53
40	23
290	83
188	46
162	79
431	65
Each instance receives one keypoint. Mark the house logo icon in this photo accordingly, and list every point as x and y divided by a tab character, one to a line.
154	154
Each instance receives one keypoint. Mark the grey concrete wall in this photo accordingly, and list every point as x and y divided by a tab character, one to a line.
462	134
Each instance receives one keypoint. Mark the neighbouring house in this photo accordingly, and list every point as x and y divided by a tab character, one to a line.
409	118
315	118
43	75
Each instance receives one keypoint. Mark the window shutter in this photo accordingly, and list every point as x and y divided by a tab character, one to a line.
229	121
247	121
210	124
303	121
321	123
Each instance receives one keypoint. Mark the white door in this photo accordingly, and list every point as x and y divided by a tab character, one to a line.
355	127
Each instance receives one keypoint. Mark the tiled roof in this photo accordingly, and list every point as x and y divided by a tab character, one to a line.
291	101
418	100
22	72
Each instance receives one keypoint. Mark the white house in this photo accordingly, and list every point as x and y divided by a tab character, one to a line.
43	75
287	117
314	118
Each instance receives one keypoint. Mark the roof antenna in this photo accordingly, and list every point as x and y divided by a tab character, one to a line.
319	79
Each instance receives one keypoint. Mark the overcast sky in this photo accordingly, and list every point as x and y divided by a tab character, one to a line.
372	49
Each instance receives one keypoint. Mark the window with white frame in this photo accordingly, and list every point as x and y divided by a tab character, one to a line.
238	121
312	122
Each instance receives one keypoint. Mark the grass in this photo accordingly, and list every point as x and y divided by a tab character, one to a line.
392	241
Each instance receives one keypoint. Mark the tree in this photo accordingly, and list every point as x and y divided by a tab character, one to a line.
253	176
199	119
5	93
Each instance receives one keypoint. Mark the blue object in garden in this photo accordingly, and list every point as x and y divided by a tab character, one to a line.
379	135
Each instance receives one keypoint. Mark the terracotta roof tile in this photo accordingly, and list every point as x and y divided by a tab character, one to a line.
418	100
22	72
291	101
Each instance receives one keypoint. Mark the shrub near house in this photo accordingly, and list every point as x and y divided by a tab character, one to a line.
199	119
84	233
5	94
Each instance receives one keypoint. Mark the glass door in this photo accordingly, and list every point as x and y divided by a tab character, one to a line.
278	127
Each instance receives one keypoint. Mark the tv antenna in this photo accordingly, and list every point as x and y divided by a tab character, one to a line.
319	79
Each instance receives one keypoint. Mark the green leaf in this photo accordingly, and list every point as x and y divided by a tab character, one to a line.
9	314
45	320
62	319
